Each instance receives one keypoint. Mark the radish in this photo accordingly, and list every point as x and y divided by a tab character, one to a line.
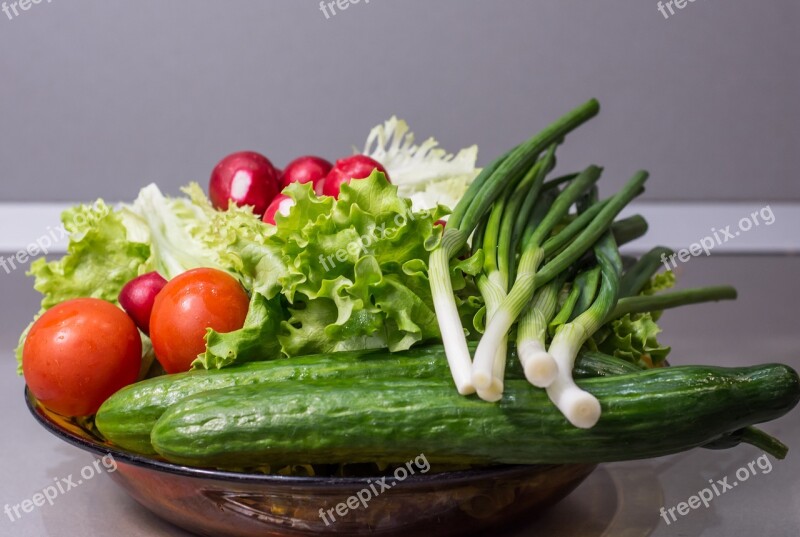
355	167
246	178
304	170
138	296
281	204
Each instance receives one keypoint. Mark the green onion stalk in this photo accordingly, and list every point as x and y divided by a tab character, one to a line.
671	299
499	247
480	196
530	259
636	277
567	251
539	367
581	408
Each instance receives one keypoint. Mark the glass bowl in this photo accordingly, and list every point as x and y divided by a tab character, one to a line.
230	504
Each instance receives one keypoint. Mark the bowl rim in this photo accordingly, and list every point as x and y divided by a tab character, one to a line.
42	416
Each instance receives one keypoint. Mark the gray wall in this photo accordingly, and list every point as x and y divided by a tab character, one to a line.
98	97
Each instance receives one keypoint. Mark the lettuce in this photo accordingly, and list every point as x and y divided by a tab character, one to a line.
108	247
633	337
254	341
425	173
333	274
174	226
102	256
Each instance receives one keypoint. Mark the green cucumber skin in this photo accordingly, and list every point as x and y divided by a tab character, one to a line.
127	418
646	414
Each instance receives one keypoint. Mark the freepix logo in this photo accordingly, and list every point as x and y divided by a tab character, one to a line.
663	7
329	8
13	9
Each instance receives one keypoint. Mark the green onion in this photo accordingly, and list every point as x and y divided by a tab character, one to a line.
671	299
499	247
579	406
532	256
484	360
479	197
639	274
539	367
629	229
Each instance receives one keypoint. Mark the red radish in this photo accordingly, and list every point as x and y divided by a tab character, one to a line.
138	296
355	167
281	204
246	178
304	170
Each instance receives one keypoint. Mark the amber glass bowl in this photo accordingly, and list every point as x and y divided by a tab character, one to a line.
222	504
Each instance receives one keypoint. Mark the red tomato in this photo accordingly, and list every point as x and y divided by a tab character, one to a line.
189	304
79	353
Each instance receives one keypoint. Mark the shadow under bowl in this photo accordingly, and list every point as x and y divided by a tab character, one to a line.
231	504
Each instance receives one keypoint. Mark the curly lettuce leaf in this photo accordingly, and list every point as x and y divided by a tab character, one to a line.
425	173
256	340
352	272
175	227
659	282
633	338
363	257
102	256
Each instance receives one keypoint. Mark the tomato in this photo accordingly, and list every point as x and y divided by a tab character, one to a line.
79	353
189	304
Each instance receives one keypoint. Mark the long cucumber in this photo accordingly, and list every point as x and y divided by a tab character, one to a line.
645	414
127	418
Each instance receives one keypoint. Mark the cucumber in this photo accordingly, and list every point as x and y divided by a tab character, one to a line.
646	414
128	416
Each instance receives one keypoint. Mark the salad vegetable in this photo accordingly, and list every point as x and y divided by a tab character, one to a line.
79	353
385	284
425	173
307	169
190	304
281	204
246	178
139	295
347	169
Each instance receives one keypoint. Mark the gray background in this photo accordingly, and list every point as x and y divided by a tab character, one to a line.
98	98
